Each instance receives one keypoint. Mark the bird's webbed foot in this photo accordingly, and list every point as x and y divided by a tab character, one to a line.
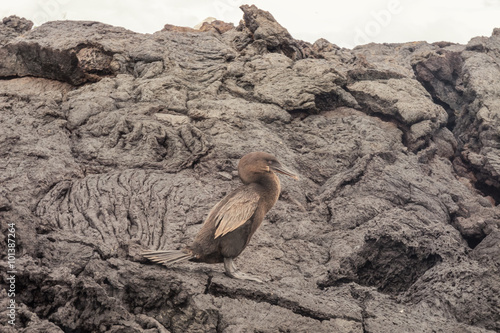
233	272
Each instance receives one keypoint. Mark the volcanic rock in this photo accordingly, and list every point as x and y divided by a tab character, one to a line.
112	142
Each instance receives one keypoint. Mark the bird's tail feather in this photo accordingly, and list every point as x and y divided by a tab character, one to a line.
167	257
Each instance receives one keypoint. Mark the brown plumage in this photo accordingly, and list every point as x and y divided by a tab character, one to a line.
232	221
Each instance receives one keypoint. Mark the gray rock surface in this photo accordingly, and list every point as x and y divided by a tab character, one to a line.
113	141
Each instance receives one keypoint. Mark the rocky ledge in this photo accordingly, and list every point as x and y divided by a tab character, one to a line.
113	141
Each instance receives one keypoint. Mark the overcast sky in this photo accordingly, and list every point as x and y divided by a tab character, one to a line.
345	23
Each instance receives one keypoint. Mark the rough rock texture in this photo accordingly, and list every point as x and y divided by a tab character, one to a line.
113	141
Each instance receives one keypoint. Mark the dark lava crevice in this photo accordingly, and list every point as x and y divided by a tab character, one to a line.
464	169
473	241
9	77
488	191
387	264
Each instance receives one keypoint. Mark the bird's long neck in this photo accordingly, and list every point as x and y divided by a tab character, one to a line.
271	186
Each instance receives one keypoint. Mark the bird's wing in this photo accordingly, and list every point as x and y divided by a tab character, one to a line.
233	212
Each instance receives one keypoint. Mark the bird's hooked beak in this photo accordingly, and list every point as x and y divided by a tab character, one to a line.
280	169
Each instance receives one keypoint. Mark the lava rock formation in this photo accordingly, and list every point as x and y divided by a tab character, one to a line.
113	141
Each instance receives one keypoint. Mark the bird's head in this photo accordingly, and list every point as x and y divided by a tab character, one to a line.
257	165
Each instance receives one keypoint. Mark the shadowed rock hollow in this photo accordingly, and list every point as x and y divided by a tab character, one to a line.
113	141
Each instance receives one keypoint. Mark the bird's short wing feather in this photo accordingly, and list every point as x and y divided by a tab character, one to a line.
234	212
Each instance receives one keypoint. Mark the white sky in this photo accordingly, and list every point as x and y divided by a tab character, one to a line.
345	23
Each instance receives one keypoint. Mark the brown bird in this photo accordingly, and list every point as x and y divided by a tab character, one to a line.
232	222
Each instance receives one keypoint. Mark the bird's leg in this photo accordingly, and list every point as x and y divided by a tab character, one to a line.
233	272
